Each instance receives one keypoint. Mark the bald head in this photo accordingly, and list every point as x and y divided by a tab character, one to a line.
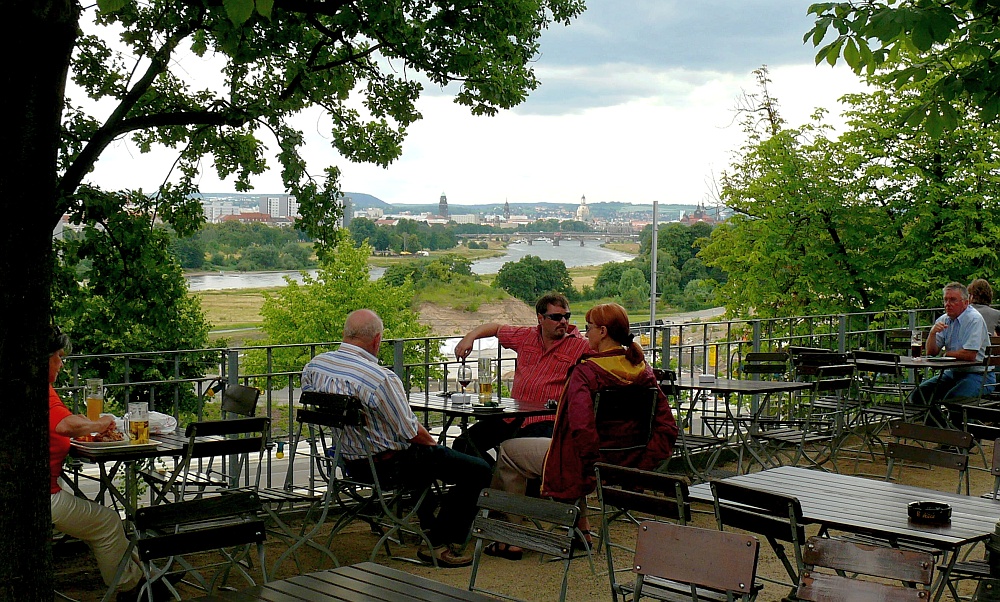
364	329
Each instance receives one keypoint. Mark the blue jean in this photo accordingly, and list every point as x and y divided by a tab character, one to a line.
420	465
949	384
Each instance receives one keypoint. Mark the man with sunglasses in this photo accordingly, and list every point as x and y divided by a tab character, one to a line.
545	353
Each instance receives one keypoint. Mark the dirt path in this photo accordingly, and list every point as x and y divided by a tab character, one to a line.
445	321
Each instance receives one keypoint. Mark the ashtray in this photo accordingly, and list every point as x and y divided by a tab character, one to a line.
929	513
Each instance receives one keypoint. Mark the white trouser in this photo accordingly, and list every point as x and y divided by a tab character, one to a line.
101	529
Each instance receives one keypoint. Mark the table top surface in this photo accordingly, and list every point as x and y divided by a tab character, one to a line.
935	363
861	505
364	582
508	407
732	385
170	444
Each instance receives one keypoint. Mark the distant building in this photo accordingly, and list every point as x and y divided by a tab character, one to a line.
282	205
443	206
698	215
506	210
347	205
467	218
251	217
583	211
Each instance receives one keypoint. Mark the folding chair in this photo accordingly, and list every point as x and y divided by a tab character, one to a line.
633	495
778	518
814	435
883	394
210	471
675	562
846	557
624	419
168	533
530	534
912	444
389	507
233	445
691	445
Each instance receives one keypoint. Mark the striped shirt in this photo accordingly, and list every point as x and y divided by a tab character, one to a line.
540	374
350	370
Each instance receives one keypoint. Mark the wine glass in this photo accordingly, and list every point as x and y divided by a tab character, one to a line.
464	376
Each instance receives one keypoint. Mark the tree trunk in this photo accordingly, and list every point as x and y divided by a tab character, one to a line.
37	41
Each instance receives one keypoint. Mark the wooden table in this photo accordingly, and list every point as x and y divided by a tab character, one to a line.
877	508
111	461
726	387
508	408
364	582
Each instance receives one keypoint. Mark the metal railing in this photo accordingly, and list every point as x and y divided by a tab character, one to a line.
175	382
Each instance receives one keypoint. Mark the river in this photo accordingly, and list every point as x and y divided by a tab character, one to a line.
570	252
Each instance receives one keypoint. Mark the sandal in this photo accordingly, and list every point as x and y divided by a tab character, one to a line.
503	550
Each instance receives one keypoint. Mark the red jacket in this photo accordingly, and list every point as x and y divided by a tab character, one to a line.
568	473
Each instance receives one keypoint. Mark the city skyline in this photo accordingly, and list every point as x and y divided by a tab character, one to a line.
637	104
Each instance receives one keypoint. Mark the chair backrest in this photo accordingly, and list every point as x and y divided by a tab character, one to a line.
531	534
240	400
772	364
912	443
804	365
884	563
898	339
633	494
624	417
776	517
201	525
720	561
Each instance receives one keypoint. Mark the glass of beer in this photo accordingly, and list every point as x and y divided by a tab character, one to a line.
916	343
137	423
485	381
95	398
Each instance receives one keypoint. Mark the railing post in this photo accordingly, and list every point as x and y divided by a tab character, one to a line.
665	360
912	314
397	358
233	359
756	335
842	333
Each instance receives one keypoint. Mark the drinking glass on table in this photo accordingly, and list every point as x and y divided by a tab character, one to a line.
485	381
137	423
95	398
464	376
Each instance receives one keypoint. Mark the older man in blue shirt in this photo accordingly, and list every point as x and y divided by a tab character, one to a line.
962	333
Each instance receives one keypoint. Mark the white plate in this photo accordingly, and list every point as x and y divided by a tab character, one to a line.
109	445
945	358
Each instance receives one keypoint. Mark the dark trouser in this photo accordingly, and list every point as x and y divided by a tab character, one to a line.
950	384
421	465
489	433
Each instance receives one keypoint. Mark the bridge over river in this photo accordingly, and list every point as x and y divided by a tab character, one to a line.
553	238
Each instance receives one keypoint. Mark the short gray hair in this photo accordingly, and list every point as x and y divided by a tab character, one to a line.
956	286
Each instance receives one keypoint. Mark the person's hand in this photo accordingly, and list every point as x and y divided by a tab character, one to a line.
464	348
105	424
938	327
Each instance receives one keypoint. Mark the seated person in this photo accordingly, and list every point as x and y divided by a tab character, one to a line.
545	353
96	525
565	462
402	446
961	332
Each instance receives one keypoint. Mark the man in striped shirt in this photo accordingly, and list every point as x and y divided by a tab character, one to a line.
402	446
545	353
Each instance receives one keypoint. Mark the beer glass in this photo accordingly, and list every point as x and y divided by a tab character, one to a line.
95	398
137	423
485	380
916	343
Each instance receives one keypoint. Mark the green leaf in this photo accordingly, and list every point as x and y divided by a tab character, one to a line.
921	36
851	54
110	6
264	8
238	11
934	124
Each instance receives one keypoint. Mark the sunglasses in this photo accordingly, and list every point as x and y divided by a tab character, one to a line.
558	317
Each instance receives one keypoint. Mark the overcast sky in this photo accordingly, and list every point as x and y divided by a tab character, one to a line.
636	104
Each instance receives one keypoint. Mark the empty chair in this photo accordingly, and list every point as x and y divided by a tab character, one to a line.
698	450
847	557
631	495
757	364
776	517
676	562
915	443
532	532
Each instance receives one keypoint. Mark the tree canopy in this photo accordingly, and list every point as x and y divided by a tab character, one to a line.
363	62
531	277
879	218
948	45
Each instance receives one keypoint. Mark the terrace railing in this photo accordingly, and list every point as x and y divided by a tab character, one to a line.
177	382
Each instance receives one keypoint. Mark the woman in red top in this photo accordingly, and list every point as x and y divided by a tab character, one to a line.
96	525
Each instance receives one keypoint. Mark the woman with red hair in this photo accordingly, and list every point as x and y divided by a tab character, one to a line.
565	463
